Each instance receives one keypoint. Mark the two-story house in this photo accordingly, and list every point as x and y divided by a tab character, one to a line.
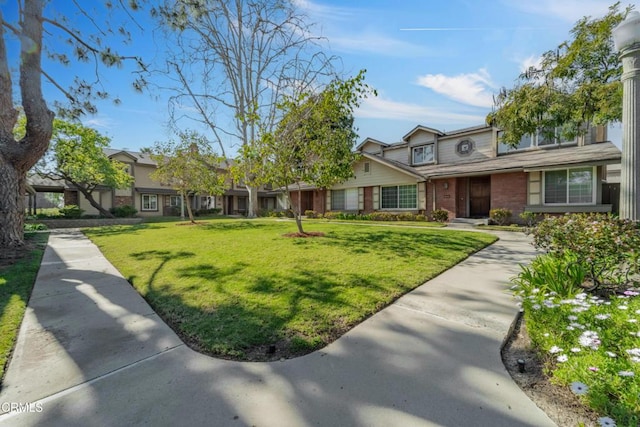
468	172
151	198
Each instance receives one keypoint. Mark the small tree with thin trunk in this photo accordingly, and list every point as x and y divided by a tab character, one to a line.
76	155
314	139
189	167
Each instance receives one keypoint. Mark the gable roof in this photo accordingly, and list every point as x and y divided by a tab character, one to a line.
527	161
137	157
394	165
371	140
421	128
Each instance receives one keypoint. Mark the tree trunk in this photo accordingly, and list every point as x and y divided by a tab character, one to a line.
89	196
12	192
189	211
298	211
253	208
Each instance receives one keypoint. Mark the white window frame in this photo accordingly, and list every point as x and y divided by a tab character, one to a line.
152	200
534	142
398	197
172	199
594	189
422	161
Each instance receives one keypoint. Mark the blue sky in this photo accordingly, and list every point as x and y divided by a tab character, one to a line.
433	62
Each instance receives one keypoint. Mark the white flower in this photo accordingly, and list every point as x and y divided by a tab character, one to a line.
602	316
632	320
546	334
634	352
570	328
572	318
606	422
626	373
579	388
623	307
536	306
635	359
555	349
611	354
563	358
575	350
637	311
589	339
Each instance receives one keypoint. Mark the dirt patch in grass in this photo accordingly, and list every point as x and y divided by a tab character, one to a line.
304	235
9	256
559	403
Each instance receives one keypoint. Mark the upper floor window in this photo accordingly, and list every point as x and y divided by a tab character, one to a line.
539	139
366	167
422	154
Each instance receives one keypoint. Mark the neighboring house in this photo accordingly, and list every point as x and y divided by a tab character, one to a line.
468	172
150	198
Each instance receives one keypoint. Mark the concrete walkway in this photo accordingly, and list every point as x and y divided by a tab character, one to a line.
91	352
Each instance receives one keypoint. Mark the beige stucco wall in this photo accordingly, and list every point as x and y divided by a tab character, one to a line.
104	198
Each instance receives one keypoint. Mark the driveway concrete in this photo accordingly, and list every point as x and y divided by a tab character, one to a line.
91	352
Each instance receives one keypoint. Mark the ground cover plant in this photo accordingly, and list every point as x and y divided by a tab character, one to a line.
17	276
240	289
581	305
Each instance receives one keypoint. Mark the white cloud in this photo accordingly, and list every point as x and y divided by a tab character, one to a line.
567	10
528	62
376	43
471	89
99	122
382	108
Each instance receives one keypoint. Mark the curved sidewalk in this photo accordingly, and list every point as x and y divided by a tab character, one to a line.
92	352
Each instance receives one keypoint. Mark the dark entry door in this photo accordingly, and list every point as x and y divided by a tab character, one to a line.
479	196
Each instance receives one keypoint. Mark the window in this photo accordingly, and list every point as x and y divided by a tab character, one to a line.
175	201
400	197
367	167
423	154
569	186
337	200
529	140
149	202
342	200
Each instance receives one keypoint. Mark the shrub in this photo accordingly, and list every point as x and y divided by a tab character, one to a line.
440	215
210	211
124	211
311	214
34	227
500	216
406	216
605	246
71	212
421	217
529	218
548	273
331	214
382	216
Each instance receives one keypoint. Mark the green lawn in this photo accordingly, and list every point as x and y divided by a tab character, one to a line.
16	282
231	288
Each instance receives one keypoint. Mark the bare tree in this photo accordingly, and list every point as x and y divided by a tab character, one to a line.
35	23
231	62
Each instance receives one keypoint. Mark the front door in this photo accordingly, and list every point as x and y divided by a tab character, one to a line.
479	196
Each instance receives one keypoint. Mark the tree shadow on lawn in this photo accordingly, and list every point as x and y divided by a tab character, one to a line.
283	315
402	243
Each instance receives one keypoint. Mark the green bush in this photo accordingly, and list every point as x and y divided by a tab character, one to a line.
440	215
500	216
210	211
331	214
605	246
124	211
529	218
421	217
312	214
406	216
71	212
383	216
561	275
34	227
